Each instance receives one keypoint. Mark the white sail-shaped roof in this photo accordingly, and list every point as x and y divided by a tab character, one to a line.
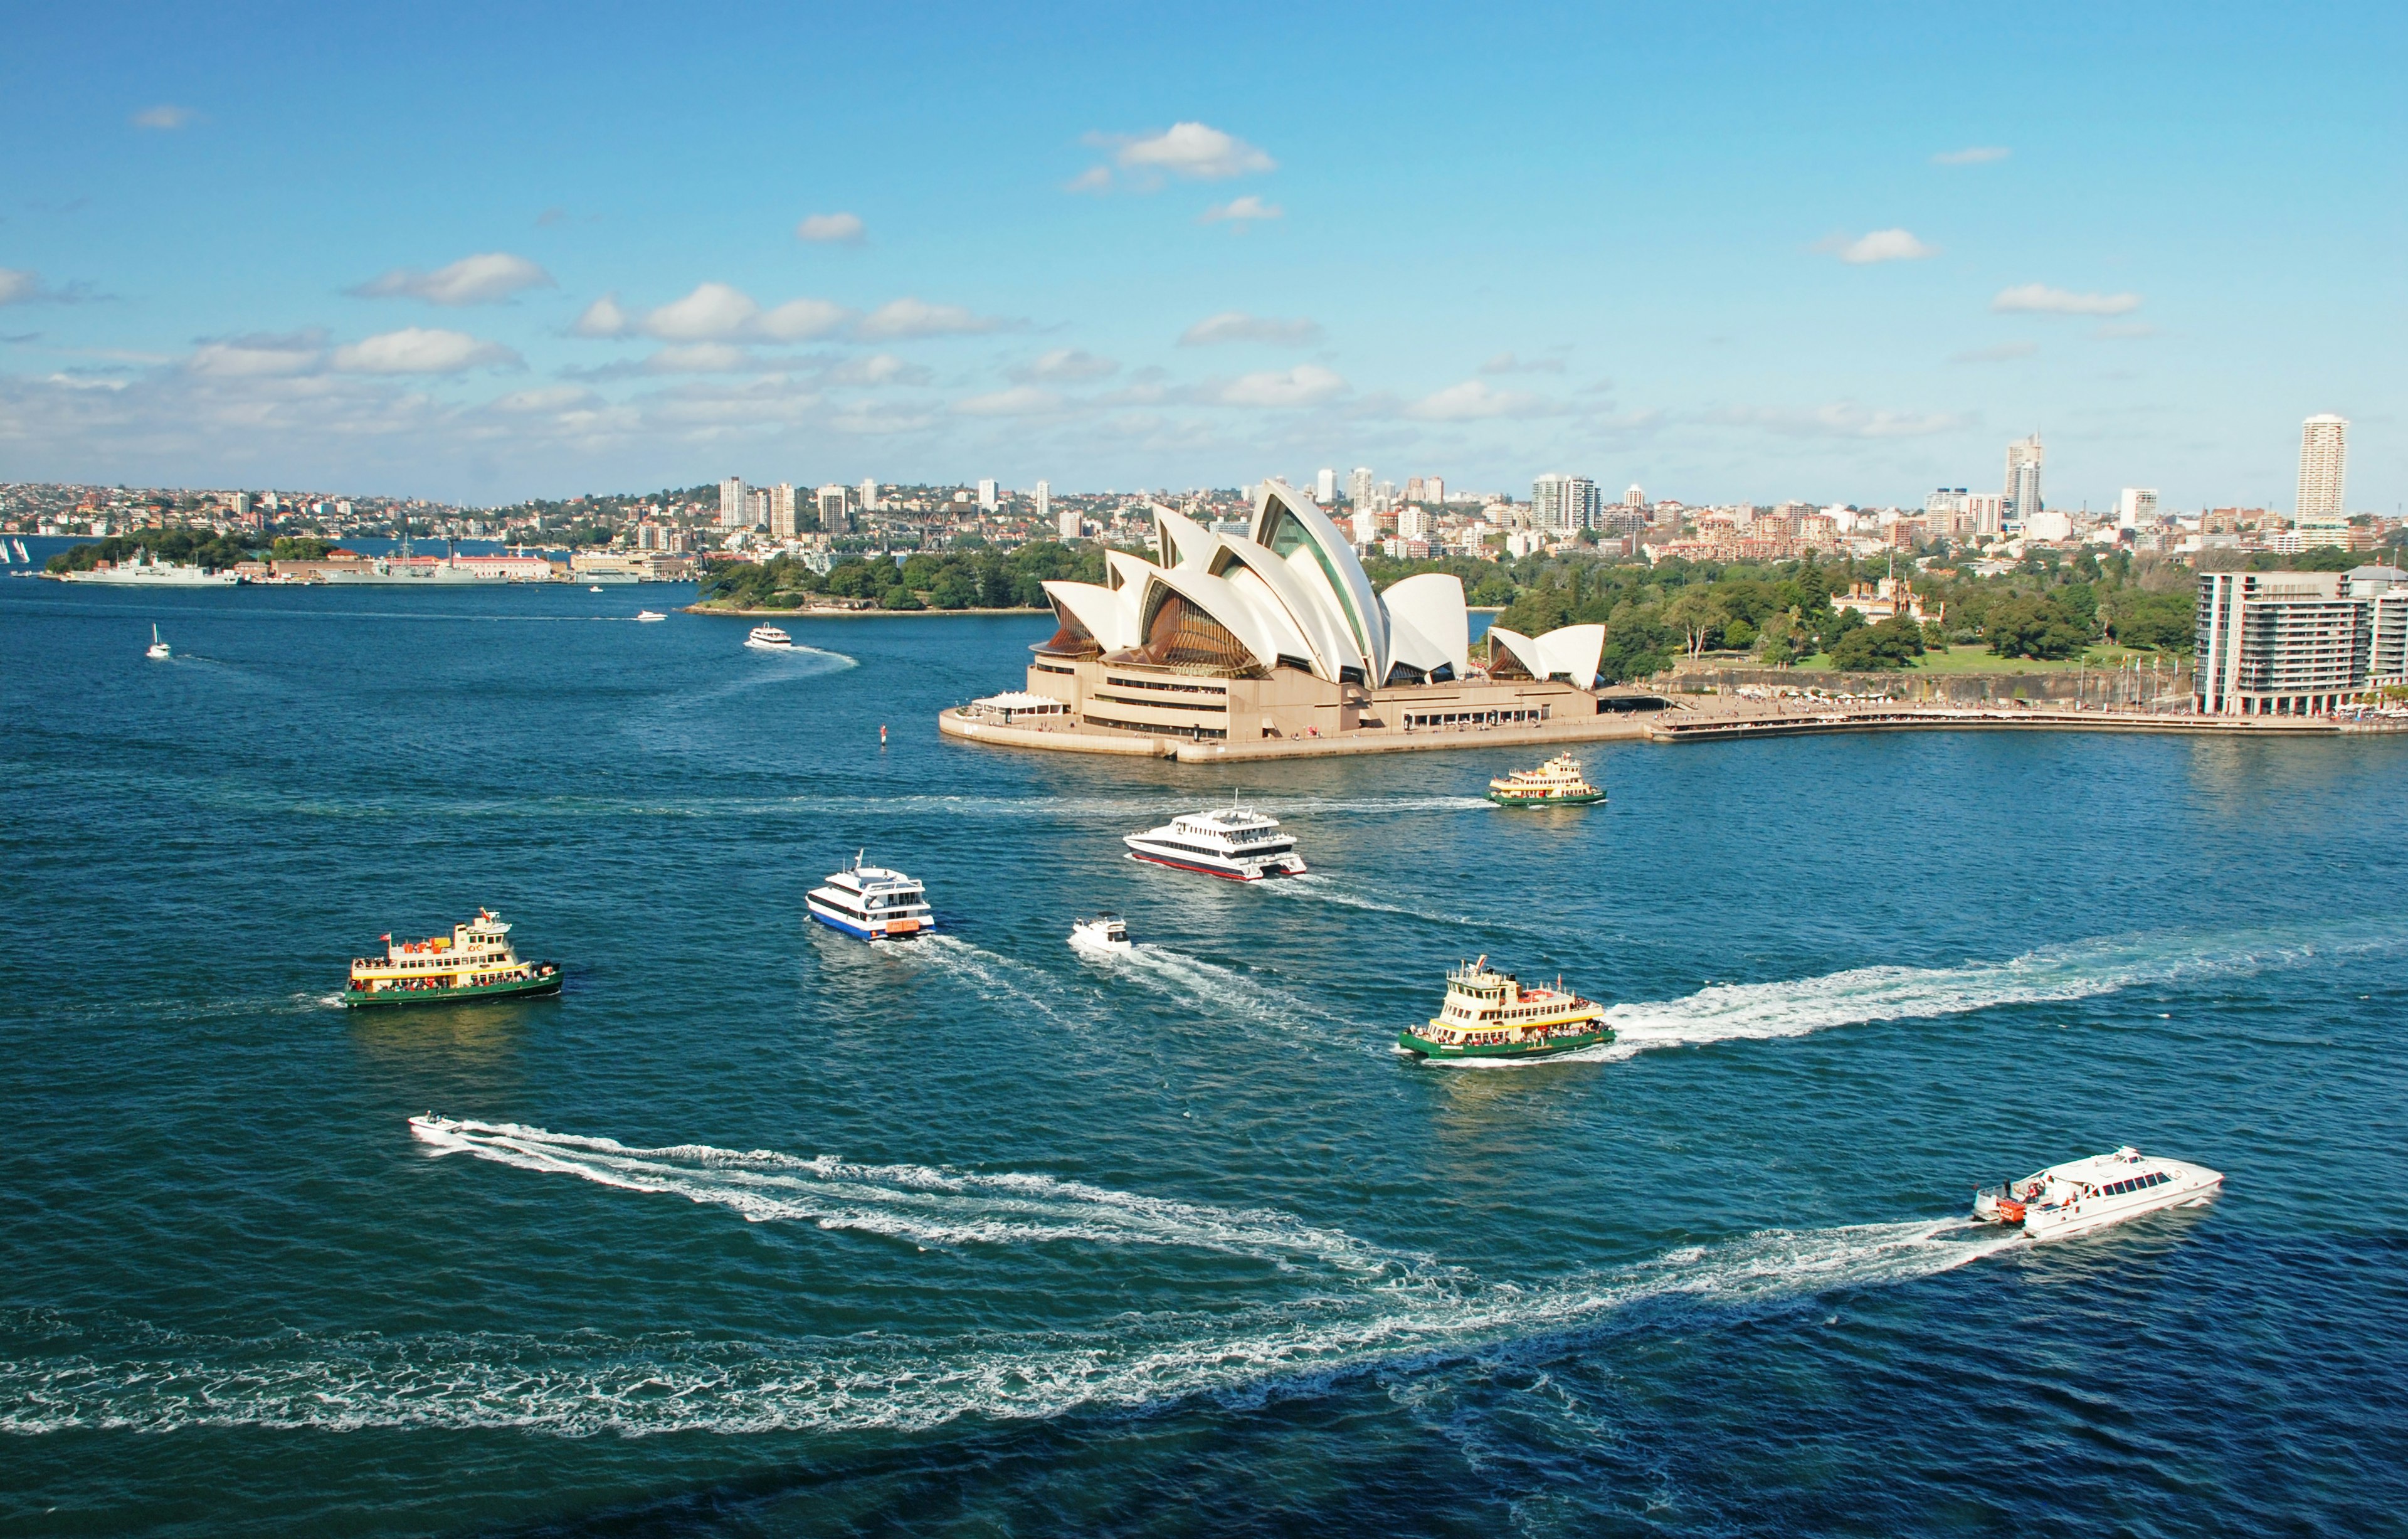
1297	530
1243	615
1108	616
1329	646
1182	540
1571	652
1429	627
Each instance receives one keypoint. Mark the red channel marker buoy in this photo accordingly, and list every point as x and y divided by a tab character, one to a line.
881	734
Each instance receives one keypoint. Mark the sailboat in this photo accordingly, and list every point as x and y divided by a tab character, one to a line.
158	649
21	555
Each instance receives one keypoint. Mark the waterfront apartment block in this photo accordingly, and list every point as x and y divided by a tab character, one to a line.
2299	643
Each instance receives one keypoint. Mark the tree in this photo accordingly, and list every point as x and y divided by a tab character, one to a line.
1692	613
1896	642
2026	625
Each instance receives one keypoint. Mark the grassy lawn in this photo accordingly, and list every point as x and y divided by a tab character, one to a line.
1977	659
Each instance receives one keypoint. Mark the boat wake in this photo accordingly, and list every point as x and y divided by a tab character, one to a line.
1192	980
1314	887
1864	996
588	1385
998	977
917	1203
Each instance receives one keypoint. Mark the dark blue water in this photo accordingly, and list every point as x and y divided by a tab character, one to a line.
765	1231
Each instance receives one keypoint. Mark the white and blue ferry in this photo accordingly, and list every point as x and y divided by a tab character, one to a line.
872	902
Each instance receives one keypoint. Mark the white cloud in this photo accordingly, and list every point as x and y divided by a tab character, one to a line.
712	313
799	320
18	285
904	317
547	398
879	369
602	318
1195	151
702	358
1240	211
1882	246
1476	400
1094	178
2039	299
841	229
1506	363
420	349
1306	384
1981	154
2003	352
1236	326
166	115
1842	420
1063	363
258	356
483	279
1018	401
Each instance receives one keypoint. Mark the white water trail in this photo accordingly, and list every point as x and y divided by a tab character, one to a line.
1318	887
1209	986
916	1204
580	1386
1002	979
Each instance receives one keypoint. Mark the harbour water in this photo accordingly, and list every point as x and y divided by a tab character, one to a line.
756	1230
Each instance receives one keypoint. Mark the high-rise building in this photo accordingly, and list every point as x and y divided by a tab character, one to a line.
782	510
732	511
1563	503
1413	489
986	495
1412	522
1325	486
2136	505
2324	466
1358	487
869	503
1434	491
2297	644
1365	523
834	517
2022	495
1634	497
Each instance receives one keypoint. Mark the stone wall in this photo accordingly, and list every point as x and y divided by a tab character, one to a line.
2171	684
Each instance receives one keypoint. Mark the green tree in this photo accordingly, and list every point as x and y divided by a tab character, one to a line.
1896	642
2027	626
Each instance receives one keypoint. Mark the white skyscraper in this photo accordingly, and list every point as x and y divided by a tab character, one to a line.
1563	503
1412	522
869	496
986	495
2136	505
782	510
2324	467
1434	491
1358	487
732	514
1325	486
834	518
2022	495
1635	497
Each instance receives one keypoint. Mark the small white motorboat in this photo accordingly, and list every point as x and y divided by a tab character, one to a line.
1103	932
595	588
650	615
2082	1195
769	638
157	648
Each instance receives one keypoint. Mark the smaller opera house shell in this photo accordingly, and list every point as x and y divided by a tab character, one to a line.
1277	637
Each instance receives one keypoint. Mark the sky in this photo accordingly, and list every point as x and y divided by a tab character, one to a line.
486	252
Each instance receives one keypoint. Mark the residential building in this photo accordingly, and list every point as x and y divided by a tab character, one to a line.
1365	525
2324	467
1358	487
1412	522
1434	491
1563	503
1634	496
869	503
834	516
987	499
2022	495
1987	512
2135	507
732	511
2297	644
782	510
1325	486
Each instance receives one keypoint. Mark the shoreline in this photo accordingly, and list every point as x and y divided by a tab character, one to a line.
839	614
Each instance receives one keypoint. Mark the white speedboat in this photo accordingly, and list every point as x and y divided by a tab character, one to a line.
769	638
595	588
1234	842
157	649
2082	1195
872	902
648	616
1103	932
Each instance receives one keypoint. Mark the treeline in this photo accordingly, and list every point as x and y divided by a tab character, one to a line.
955	579
187	547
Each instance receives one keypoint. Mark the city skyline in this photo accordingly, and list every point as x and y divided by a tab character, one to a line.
322	253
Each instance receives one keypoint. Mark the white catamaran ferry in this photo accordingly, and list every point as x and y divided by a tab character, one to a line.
1234	842
872	902
2082	1195
769	638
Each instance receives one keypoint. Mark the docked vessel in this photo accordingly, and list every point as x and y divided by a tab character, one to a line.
2082	1195
1557	782
872	902
474	962
1103	932
157	650
1489	1014
769	638
1234	842
147	571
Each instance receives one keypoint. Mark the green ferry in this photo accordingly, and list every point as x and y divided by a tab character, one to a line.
474	962
1489	1014
1557	782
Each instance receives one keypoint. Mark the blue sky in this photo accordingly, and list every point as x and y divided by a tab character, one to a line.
483	252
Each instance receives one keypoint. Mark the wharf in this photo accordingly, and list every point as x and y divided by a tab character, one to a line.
1723	723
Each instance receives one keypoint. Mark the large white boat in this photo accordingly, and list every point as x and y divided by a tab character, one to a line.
146	571
2082	1195
769	638
872	902
1235	842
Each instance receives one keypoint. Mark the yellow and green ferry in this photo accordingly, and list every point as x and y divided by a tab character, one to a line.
1488	1014
1557	782
474	962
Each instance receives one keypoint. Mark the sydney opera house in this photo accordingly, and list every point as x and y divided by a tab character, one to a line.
1273	642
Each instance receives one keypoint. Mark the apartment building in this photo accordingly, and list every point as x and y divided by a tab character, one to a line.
2299	643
